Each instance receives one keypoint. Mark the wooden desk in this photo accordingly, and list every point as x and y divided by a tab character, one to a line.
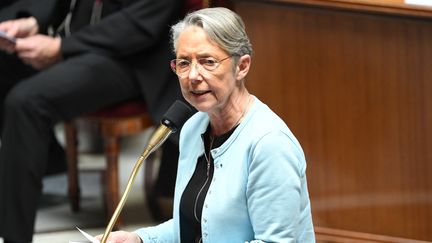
353	80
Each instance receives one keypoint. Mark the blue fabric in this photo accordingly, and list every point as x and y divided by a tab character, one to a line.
259	189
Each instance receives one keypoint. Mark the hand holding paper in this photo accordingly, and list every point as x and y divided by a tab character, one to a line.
122	237
16	28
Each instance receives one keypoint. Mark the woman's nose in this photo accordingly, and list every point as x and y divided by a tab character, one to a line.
194	72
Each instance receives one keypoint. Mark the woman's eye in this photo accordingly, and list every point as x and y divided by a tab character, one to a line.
182	63
208	61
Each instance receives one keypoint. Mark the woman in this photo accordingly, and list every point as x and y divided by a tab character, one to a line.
241	174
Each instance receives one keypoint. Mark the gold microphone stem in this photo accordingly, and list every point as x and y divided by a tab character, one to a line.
158	137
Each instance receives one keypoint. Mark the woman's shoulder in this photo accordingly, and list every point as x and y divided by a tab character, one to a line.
264	122
264	119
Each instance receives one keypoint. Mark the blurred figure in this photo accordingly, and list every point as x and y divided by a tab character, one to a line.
242	173
70	58
5	3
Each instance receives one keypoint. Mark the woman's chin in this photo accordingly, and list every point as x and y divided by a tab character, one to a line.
201	106
201	102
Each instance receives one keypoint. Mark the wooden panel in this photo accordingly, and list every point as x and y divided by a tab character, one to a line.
329	235
392	7
356	89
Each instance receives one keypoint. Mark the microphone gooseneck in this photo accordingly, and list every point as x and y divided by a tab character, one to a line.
172	121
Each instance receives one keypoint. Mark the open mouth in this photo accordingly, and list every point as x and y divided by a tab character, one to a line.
200	92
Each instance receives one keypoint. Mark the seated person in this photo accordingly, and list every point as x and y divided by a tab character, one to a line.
107	54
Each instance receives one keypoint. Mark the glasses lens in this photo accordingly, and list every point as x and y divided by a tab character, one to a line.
208	63
180	66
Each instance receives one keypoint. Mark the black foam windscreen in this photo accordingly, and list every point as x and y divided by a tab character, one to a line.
176	115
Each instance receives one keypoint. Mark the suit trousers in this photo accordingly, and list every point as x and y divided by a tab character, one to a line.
32	103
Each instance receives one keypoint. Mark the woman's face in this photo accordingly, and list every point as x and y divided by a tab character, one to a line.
208	91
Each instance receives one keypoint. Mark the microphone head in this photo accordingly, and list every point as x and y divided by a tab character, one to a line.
176	115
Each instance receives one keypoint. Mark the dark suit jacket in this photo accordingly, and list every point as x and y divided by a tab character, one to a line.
135	31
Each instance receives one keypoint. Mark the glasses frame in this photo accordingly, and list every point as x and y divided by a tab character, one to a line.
173	64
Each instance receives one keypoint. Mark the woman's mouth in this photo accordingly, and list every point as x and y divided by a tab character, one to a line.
200	92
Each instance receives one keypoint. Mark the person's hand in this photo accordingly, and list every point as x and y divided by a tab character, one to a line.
18	28
121	237
39	51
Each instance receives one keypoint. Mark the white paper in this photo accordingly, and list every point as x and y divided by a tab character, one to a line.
419	2
87	236
4	36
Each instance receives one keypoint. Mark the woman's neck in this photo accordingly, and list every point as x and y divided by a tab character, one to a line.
221	124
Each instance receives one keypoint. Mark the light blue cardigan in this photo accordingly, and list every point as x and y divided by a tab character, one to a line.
258	191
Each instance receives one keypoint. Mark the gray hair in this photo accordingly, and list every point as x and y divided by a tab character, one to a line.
222	25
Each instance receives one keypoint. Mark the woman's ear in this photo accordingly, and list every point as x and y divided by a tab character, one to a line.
243	65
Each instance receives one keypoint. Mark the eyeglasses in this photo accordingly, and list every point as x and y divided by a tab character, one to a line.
182	66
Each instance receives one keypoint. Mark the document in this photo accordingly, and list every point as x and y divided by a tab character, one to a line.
90	238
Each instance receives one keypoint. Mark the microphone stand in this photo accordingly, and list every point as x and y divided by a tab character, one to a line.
158	137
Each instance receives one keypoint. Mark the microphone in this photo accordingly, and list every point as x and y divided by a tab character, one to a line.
171	121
